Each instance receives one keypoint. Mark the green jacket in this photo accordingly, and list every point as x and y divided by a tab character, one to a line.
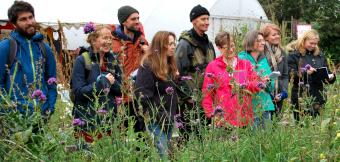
191	61
261	100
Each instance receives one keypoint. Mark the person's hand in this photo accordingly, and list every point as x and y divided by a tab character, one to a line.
144	48
110	77
311	70
265	79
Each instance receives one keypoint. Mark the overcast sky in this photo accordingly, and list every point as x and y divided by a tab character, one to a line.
101	11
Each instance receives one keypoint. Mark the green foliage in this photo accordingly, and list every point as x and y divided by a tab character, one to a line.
323	14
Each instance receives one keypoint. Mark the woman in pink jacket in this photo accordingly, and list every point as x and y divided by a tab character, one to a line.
228	85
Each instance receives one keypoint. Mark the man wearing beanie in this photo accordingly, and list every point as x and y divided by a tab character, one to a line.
129	43
193	53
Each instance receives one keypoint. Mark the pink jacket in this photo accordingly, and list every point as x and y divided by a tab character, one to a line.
218	92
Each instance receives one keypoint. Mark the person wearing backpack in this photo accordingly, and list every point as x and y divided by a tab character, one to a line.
95	83
27	66
130	44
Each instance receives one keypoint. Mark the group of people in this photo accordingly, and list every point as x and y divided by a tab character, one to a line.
163	80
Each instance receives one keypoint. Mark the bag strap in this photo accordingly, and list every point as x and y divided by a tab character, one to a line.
88	62
12	51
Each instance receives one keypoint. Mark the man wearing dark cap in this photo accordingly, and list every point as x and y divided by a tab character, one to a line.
193	53
129	43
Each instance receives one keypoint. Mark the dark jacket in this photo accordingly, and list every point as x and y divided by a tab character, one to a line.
296	63
158	102
193	53
281	66
23	85
85	83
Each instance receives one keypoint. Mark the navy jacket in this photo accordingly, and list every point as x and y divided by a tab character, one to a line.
85	83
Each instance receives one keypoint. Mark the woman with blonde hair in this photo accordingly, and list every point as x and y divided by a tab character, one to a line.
155	88
310	72
277	60
96	75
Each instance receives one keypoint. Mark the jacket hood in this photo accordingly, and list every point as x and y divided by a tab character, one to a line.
119	33
21	39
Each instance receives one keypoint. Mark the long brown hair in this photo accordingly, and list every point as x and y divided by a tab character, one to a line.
156	56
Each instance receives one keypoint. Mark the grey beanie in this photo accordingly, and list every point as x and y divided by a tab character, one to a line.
124	12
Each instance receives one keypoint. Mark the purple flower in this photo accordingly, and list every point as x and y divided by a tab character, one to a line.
37	93
303	69
186	77
179	125
78	122
210	75
89	27
52	81
261	85
218	109
102	111
308	67
169	90
42	97
178	121
210	86
119	100
197	69
243	85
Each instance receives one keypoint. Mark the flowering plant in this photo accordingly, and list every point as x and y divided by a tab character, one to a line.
89	27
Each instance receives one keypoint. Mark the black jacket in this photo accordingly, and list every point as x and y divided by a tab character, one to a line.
86	82
152	93
296	62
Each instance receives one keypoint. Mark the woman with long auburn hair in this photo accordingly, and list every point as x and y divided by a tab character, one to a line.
156	90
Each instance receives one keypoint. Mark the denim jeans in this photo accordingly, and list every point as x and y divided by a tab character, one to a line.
161	138
262	119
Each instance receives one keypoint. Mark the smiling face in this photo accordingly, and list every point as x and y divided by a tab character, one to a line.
259	44
26	24
311	44
103	42
274	37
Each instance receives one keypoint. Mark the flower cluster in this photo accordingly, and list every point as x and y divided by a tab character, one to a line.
78	122
169	90
186	78
39	94
261	85
89	27
218	110
52	81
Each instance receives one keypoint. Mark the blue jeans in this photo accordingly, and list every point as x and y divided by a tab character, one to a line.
262	119
161	138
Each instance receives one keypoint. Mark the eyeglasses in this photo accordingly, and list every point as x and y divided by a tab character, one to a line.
172	44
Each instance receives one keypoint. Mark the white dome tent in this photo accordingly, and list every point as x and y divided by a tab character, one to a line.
229	14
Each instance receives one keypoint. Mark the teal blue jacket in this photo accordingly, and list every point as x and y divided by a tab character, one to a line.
261	100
